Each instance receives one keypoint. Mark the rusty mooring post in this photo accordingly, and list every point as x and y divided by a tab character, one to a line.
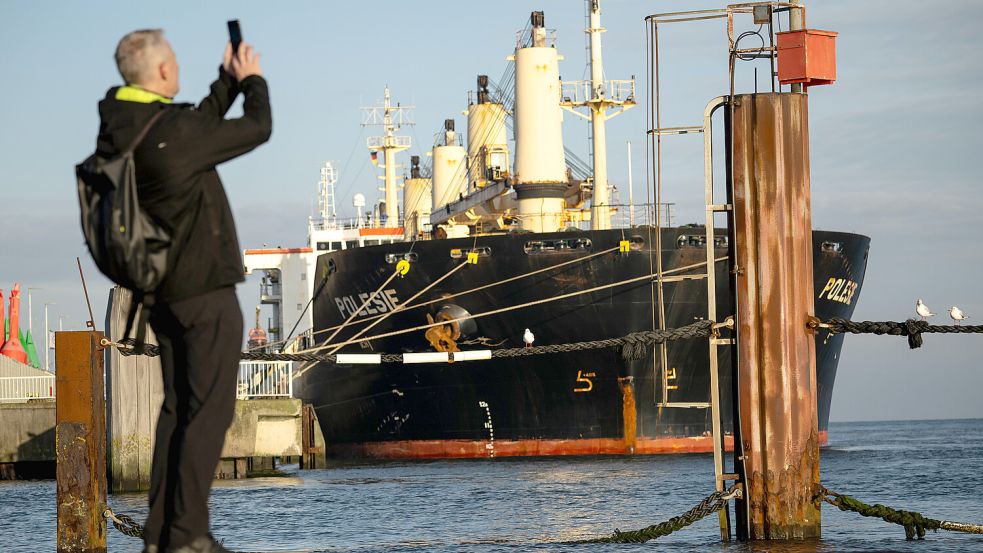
80	442
776	351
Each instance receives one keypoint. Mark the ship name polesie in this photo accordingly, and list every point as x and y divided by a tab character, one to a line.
384	302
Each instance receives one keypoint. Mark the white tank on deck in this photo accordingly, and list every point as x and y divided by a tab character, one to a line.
488	147
540	165
416	201
539	154
449	169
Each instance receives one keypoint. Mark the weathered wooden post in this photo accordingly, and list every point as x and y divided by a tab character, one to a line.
776	351
135	393
80	442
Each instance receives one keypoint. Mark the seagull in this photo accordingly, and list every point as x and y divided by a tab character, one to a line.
923	311
957	314
528	337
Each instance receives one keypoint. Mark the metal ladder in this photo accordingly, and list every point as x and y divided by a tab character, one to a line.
714	342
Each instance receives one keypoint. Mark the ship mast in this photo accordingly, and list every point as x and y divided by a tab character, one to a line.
390	118
326	196
598	96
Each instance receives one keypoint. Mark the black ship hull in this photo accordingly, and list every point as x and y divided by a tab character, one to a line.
586	402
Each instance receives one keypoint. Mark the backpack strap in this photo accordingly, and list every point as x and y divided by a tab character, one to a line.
143	132
142	303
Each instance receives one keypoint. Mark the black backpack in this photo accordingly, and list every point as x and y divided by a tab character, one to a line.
127	245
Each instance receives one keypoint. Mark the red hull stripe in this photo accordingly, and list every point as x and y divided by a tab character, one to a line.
435	449
277	250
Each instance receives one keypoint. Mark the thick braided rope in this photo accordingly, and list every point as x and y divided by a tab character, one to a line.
711	504
915	524
633	346
911	328
124	523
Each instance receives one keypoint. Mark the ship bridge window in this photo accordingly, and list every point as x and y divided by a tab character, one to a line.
458	253
397	257
328	246
372	242
351	244
832	247
561	245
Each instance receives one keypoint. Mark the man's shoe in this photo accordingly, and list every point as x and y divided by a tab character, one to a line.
203	544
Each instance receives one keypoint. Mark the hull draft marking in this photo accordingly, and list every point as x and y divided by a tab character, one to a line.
585	378
490	446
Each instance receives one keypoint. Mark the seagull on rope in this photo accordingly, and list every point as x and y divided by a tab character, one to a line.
923	311
957	315
528	337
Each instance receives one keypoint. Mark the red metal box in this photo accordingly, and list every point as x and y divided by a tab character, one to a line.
807	56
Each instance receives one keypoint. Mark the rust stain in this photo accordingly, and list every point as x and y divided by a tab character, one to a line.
629	414
80	443
773	226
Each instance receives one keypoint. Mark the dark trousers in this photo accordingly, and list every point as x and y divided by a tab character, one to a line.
200	339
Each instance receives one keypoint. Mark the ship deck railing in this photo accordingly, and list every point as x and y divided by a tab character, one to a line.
579	92
265	379
20	389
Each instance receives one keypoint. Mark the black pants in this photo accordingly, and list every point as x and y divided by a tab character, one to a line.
200	339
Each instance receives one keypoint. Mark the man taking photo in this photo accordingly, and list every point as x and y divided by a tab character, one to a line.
196	316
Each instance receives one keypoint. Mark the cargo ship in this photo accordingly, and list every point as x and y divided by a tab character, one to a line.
489	253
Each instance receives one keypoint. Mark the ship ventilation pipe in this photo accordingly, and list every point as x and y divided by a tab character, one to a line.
540	166
483	95
450	178
488	149
416	201
450	137
538	21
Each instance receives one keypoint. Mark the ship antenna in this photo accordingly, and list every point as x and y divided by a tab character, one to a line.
598	96
390	118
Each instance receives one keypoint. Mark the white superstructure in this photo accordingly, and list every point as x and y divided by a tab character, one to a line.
289	274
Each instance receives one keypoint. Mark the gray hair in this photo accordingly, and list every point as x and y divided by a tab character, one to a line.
138	54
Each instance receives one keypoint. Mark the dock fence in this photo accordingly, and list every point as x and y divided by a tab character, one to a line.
265	379
25	388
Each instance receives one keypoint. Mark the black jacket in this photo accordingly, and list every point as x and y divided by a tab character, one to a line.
176	178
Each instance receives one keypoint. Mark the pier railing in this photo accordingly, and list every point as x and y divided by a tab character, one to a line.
265	379
26	388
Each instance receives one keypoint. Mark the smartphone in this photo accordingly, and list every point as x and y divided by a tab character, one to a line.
235	35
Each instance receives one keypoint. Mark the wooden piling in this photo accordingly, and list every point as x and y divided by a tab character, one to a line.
134	395
80	442
776	351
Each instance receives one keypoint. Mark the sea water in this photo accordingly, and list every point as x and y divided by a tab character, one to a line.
536	504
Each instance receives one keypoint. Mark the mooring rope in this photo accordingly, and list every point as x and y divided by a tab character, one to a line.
911	328
124	523
633	346
486	286
402	306
710	504
915	524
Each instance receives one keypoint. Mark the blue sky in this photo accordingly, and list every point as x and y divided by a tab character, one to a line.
895	142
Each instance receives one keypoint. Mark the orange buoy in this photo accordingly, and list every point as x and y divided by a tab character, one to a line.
12	348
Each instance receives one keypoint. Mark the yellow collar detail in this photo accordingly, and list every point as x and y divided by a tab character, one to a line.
134	94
